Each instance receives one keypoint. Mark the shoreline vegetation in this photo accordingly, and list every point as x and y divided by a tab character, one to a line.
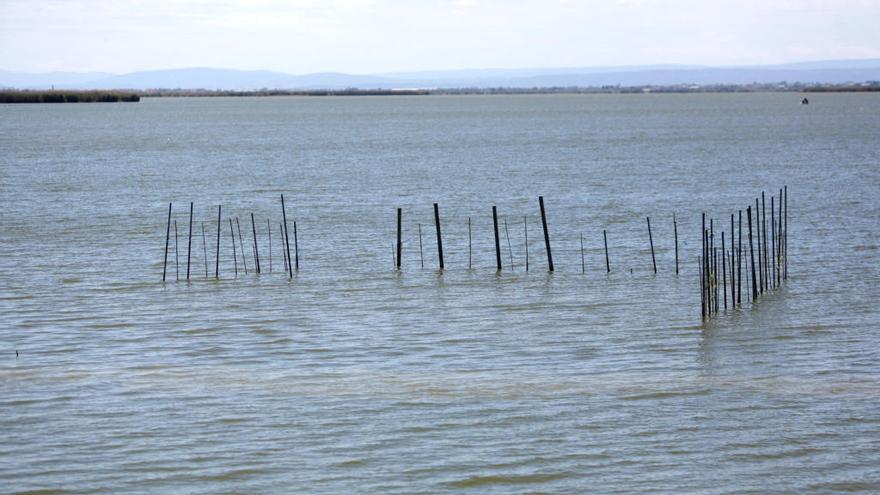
98	96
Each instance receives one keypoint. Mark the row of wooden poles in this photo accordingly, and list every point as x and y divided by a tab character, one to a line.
768	271
397	248
291	263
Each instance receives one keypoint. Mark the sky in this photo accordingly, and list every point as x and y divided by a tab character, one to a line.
379	36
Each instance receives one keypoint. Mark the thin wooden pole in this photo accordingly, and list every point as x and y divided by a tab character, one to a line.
256	248
731	264
399	237
607	262
546	234
295	248
167	239
713	266
651	239
760	251
234	255
752	254
421	256
190	241
217	260
773	238
785	238
764	235
526	232
284	259
739	261
724	269
509	247
241	245
205	249
705	239
702	287
439	235
675	233
286	237
176	257
497	240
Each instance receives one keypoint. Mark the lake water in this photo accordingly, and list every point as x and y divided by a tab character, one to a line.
350	377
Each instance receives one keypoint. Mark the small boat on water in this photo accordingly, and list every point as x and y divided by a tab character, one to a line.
805	102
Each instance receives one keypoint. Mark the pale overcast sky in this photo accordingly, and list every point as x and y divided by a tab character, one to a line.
371	36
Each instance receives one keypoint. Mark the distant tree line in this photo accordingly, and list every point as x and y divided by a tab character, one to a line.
65	96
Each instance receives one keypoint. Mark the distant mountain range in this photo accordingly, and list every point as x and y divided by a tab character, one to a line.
821	72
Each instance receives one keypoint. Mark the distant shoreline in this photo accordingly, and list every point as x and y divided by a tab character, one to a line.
112	96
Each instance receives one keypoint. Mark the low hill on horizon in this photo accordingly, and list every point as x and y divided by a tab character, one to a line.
818	72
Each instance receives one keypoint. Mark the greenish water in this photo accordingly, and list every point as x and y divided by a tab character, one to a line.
351	377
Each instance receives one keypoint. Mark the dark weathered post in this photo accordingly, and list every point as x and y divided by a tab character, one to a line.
399	236
269	230
675	233
497	239
739	261
651	239
752	255
286	237
785	238
702	288
705	239
607	262
234	255
217	260
760	251
205	249
546	234
190	241
724	269
509	247
730	260
583	260
256	248
421	256
176	255
241	245
773	238
283	256
167	238
439	235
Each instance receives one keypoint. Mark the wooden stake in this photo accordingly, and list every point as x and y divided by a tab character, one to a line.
764	236
284	259
190	241
773	238
583	261
760	251
256	248
167	238
217	261
399	237
205	249
739	261
785	238
732	272
546	234
439	236
176	257
497	240
241	246
234	255
724	269
421	256
752	254
702	288
286	237
607	262
509	247
651	239
675	233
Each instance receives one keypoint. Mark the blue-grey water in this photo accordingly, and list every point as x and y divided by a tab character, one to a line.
352	378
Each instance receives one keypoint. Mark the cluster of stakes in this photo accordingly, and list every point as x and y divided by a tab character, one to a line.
767	263
768	271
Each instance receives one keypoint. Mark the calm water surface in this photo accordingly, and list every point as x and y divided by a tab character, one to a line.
350	377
